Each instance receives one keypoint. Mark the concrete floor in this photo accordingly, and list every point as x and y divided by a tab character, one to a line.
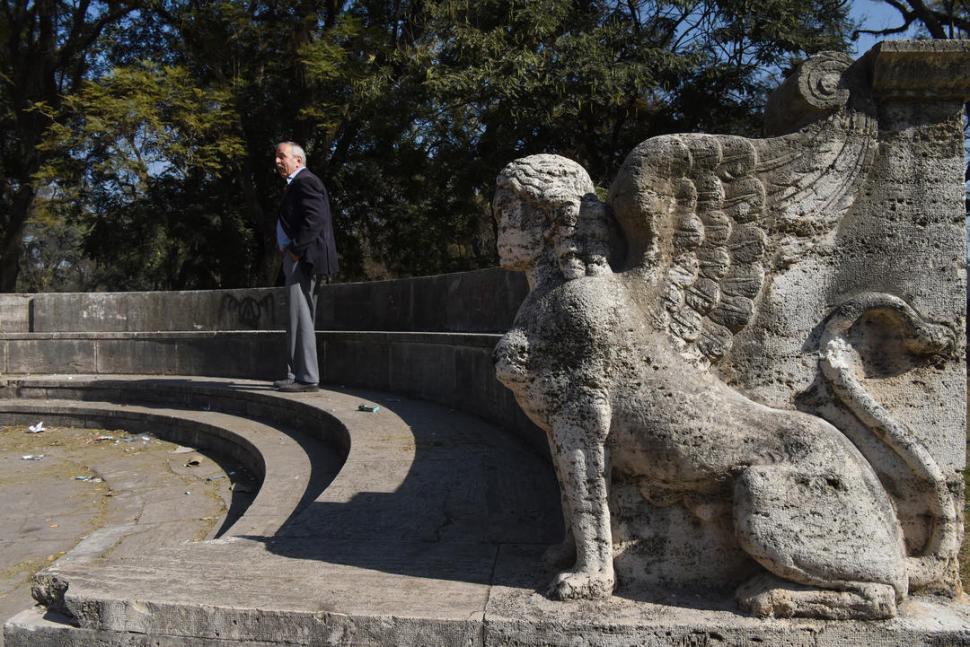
90	478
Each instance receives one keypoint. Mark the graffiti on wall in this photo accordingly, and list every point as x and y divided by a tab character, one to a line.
248	311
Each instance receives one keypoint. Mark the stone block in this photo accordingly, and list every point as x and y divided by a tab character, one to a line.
423	370
428	305
906	69
245	309
15	313
248	309
381	305
481	393
355	359
154	355
476	301
52	354
484	301
255	354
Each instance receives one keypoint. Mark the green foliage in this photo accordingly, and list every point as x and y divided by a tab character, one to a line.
177	236
137	158
46	50
140	122
407	110
54	256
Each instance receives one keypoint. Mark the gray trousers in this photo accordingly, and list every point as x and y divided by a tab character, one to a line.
301	339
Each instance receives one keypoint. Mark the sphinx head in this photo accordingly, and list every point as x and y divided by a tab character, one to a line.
546	209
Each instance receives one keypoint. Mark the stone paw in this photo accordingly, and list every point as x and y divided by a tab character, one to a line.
571	585
766	596
770	597
562	554
769	604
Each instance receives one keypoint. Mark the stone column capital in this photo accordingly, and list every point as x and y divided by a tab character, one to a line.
921	69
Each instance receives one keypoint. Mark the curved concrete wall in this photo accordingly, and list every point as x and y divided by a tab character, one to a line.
479	301
429	337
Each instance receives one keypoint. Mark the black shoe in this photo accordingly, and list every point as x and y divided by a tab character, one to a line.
278	383
298	387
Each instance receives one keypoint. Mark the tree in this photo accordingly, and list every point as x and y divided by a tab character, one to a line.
407	109
53	252
46	49
139	158
590	80
938	19
294	71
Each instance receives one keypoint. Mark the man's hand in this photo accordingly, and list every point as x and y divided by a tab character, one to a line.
293	256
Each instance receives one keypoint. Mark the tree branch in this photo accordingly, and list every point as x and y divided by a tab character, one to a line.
80	12
883	32
963	24
928	18
634	15
77	43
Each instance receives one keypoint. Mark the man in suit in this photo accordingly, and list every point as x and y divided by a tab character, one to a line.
304	234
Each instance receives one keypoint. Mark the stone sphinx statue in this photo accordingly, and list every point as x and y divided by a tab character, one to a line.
645	343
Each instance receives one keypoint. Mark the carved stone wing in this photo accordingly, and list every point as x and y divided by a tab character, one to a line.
703	215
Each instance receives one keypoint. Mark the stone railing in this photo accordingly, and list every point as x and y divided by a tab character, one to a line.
429	337
479	301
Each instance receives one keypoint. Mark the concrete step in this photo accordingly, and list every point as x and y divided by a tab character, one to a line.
284	461
410	528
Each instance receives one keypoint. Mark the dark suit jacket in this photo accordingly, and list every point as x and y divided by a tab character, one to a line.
307	222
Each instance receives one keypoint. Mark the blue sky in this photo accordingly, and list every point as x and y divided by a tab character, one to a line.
874	14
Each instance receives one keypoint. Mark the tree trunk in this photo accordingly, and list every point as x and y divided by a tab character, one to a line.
9	264
263	220
268	269
10	245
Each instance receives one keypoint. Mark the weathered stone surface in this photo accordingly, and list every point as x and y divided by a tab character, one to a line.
478	301
248	309
134	354
14	313
39	356
671	333
927	69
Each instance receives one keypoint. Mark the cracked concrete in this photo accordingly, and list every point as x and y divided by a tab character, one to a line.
47	508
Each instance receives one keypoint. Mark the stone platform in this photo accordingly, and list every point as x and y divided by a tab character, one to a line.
413	525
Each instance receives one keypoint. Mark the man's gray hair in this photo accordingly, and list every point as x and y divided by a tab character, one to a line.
296	150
